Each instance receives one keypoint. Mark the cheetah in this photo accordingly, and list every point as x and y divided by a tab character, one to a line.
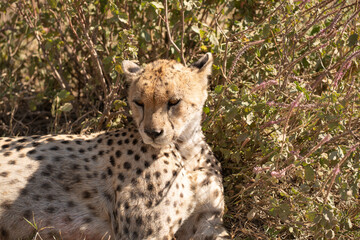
156	179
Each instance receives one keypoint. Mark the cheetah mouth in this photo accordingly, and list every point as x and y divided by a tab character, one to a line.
158	143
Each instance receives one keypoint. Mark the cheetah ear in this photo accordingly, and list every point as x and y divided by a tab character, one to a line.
204	64
131	69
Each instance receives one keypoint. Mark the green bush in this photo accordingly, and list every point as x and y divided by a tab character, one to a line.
283	109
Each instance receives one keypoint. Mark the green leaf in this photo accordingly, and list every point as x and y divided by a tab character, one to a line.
157	5
123	17
266	30
206	110
52	3
103	4
309	173
218	89
315	30
352	40
195	29
234	88
67	107
145	35
213	39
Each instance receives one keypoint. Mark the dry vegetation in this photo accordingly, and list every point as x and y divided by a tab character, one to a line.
283	111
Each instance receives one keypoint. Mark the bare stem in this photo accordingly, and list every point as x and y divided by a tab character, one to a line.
180	51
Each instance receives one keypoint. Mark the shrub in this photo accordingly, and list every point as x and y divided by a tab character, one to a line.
282	114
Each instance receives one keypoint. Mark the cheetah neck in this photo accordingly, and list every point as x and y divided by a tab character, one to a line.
191	140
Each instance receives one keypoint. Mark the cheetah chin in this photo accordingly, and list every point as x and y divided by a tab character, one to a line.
156	180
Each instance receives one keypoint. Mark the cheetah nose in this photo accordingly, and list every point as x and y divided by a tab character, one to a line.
154	133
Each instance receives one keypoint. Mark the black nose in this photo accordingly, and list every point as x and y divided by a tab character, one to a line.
154	133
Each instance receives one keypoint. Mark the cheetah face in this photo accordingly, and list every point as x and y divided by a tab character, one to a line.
166	98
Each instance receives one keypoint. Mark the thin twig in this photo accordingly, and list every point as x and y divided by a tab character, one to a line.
169	33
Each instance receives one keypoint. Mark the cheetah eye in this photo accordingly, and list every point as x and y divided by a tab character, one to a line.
173	102
139	103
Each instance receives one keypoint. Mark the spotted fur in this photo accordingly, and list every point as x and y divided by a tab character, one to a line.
156	180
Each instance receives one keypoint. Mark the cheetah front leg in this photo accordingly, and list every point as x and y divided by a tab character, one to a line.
206	220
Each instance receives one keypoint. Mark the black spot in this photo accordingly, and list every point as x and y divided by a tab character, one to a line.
50	210
118	188
168	219
108	196
143	149
57	158
166	162
112	161
119	142
67	219
4	233
22	140
32	151
149	204
146	164
101	152
24	192
78	142
128	220
94	158
157	174
149	232
69	149
103	176
75	166
126	230
123	134
99	140
127	141
70	204
4	174
150	187
18	148
137	157
65	142
109	171
134	181
54	148
40	157
50	197
166	154
135	141
138	171
110	142
6	154
12	162
147	176
5	146
45	174
81	150
126	205
127	165
121	177
174	172
118	154
139	221
153	157
86	194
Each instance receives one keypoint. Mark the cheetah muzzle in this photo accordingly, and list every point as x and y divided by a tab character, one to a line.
158	180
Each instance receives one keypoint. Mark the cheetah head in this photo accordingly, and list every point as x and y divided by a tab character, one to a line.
166	98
